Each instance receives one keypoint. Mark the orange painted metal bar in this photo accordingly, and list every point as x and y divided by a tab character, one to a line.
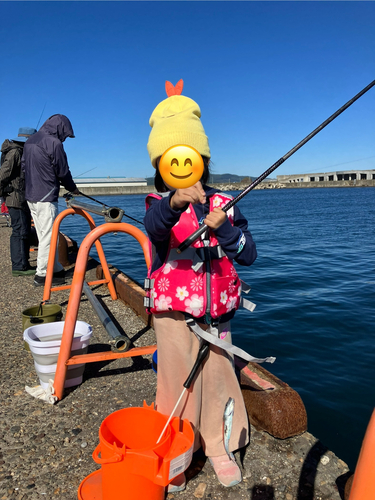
58	288
363	487
53	249
76	292
67	287
97	282
109	355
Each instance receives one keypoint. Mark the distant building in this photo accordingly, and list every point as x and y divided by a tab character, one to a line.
84	182
340	175
110	185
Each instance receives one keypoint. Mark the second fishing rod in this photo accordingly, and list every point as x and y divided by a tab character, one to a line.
111	214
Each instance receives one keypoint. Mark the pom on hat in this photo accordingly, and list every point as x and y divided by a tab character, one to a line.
174	121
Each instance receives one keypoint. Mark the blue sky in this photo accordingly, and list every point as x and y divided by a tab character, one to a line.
265	74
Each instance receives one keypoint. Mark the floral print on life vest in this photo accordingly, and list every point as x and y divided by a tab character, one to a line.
178	287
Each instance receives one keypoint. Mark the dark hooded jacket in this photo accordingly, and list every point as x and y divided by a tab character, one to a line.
45	163
12	180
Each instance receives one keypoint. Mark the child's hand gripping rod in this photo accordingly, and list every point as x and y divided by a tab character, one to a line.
185	244
202	353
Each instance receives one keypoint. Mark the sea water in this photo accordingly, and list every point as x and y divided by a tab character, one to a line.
314	286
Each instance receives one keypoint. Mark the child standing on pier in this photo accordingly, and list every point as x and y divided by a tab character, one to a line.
179	290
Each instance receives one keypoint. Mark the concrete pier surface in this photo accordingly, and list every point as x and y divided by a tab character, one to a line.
46	450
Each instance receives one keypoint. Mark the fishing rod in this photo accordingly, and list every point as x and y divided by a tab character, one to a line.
107	206
202	353
190	239
93	199
83	173
41	114
110	214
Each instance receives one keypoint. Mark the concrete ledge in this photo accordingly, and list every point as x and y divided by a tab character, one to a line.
128	291
272	405
66	247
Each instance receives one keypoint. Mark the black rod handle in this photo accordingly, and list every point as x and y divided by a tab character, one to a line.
202	353
190	239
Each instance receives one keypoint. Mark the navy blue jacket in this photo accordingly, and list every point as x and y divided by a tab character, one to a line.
160	218
44	161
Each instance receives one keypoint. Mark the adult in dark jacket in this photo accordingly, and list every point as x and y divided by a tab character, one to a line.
12	188
46	168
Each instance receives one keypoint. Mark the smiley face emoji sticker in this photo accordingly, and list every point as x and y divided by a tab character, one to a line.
181	167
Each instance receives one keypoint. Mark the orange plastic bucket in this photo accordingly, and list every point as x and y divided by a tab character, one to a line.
133	466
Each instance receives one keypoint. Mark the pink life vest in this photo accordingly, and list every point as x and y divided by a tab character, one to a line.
202	279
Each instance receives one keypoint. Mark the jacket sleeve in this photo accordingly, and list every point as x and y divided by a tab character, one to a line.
62	168
236	240
160	218
6	170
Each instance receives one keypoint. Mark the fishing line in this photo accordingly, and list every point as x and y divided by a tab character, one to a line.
307	170
346	162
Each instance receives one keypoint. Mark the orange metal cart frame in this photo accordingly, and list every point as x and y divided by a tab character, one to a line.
64	359
53	250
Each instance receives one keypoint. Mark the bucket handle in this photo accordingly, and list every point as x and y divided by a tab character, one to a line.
117	457
35	320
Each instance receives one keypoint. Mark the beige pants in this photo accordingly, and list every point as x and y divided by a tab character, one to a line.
44	214
204	403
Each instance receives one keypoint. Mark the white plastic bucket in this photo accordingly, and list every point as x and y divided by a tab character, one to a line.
44	341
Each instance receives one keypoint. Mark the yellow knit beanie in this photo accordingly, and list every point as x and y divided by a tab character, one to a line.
174	121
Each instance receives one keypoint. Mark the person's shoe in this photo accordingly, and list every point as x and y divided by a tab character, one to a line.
57	279
25	272
177	484
59	274
227	471
39	280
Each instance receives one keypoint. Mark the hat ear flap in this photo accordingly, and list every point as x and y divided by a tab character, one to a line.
174	89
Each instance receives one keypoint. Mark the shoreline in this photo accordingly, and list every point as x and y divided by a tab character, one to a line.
46	450
123	190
